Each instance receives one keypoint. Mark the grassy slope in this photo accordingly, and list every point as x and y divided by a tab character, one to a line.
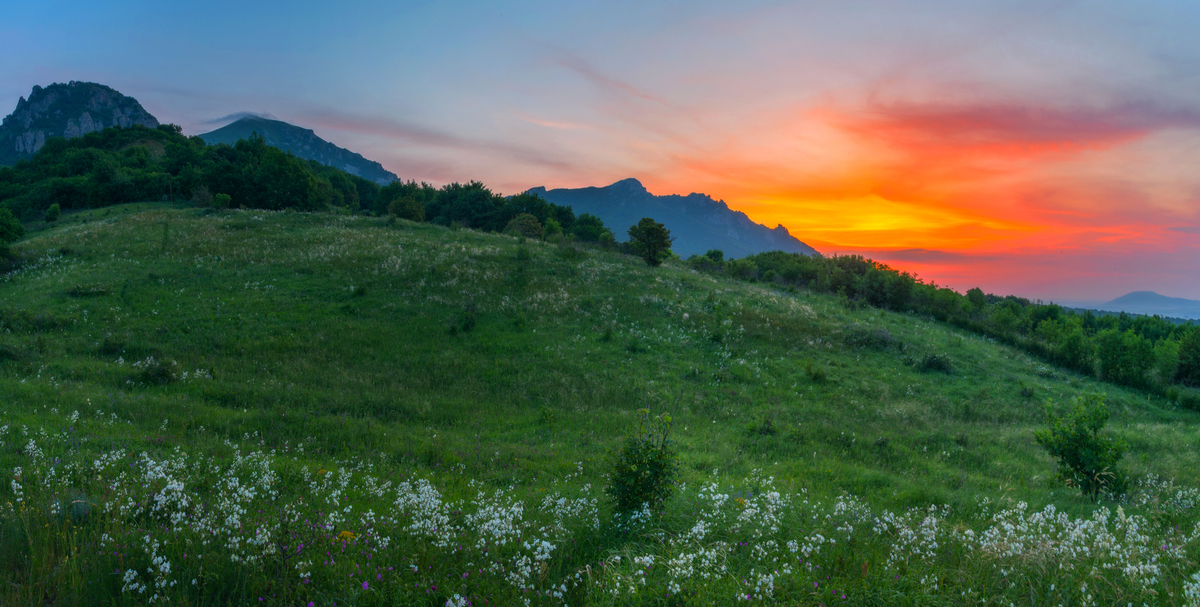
346	335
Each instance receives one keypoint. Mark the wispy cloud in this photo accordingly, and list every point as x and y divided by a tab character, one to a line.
566	126
1012	128
234	117
607	83
402	133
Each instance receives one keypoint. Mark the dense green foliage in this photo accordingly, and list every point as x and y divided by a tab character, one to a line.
650	240
524	225
10	227
645	470
136	164
1086	459
336	408
1145	352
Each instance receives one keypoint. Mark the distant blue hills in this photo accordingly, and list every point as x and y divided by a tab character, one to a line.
1148	303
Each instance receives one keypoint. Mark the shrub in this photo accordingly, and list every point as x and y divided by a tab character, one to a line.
644	471
222	201
1189	399
201	197
741	268
10	227
53	213
552	230
524	225
936	362
407	207
1086	459
815	372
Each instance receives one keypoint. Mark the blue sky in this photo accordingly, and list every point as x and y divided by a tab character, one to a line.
1039	148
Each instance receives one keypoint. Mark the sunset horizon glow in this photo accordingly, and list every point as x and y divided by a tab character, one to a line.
1045	150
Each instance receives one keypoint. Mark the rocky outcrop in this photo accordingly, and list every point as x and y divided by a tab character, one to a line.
66	110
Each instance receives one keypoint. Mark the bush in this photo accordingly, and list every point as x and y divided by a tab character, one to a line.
645	470
407	207
53	213
525	225
1189	399
815	372
936	362
10	227
222	201
1085	459
202	197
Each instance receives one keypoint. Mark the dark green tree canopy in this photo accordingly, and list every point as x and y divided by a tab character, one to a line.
10	228
651	240
524	224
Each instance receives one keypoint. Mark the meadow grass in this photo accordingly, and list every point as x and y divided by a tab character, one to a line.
343	409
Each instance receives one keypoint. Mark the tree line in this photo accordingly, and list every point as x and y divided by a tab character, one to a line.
1145	352
137	164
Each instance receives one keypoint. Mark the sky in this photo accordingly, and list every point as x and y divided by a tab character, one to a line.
1044	149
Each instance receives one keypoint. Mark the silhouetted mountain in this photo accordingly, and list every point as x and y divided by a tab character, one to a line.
1150	303
697	222
66	110
303	143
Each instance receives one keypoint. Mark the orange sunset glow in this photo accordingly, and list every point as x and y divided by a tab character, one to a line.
1042	150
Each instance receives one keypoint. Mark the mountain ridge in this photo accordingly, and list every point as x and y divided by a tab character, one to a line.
697	221
66	110
301	142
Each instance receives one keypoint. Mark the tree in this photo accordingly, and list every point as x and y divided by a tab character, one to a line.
651	240
1124	357
53	213
524	225
10	227
977	298
589	228
1188	370
552	229
407	207
1086	459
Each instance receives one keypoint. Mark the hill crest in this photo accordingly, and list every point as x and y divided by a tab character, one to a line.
301	142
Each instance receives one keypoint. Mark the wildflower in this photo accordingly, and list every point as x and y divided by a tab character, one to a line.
366	586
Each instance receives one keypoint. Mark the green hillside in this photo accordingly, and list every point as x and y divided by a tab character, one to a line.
226	406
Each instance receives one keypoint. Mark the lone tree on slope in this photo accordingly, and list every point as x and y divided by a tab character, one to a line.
652	240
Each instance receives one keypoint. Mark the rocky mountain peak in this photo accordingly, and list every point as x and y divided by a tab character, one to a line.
629	186
66	110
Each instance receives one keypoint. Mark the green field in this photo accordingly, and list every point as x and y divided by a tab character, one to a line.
350	410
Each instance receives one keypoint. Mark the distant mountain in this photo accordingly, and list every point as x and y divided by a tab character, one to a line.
66	110
697	222
303	143
1150	303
